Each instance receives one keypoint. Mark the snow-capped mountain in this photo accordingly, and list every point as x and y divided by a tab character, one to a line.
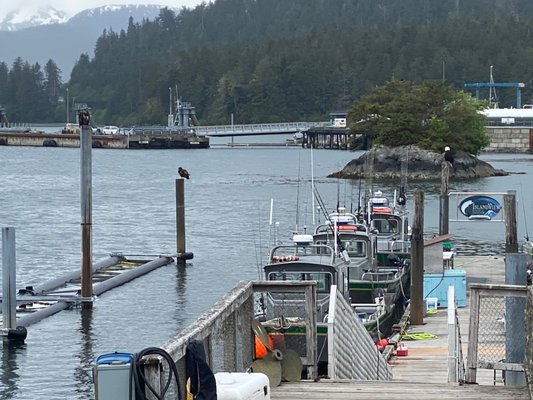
21	19
65	40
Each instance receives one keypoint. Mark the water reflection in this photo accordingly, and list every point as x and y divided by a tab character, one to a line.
9	375
86	356
181	291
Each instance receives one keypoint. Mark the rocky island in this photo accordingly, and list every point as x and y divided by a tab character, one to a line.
384	163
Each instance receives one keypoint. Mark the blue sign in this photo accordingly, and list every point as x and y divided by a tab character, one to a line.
480	207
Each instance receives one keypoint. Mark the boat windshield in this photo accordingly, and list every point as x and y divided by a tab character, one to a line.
355	248
323	279
386	225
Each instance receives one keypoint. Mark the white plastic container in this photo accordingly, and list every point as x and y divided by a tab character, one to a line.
242	386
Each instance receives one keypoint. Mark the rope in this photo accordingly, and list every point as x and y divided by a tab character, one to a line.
418	336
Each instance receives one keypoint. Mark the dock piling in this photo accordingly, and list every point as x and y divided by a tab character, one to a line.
417	258
9	302
86	207
181	255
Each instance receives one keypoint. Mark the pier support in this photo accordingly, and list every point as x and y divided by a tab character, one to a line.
10	330
181	255
444	200
417	261
86	207
9	303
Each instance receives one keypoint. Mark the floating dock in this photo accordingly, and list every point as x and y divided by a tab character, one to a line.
137	140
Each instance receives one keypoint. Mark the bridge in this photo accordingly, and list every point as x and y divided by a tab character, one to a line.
258	129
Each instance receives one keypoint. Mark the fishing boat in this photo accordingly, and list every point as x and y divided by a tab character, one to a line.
390	220
302	260
377	290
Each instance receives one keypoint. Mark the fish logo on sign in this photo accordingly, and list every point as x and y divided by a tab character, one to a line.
480	207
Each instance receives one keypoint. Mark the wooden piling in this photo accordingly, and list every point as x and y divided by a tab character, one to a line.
180	217
444	199
511	233
417	261
86	208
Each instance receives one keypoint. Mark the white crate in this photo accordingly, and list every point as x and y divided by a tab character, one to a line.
242	386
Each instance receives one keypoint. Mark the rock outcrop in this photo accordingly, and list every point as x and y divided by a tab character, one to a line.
421	165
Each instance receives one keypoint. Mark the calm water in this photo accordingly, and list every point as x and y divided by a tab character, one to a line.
227	218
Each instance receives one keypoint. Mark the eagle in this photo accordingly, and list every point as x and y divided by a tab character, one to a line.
183	173
448	156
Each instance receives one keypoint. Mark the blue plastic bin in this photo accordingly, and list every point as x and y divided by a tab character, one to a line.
436	285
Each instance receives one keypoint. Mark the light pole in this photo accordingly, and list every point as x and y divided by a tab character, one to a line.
67	107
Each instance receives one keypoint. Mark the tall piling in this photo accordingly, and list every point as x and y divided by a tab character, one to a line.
86	207
9	301
444	199
180	218
417	261
515	274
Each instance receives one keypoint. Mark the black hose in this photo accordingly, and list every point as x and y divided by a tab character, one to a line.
140	380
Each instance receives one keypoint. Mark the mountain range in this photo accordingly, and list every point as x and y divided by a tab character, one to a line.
50	34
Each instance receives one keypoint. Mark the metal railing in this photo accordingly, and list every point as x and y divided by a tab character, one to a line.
351	351
256	129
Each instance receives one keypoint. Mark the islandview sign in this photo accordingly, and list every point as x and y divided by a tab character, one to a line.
480	207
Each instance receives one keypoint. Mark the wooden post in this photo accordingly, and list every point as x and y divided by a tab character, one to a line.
417	261
511	234
444	199
180	217
515	274
86	142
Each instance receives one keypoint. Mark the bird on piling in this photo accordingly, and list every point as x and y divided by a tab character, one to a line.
448	156
183	173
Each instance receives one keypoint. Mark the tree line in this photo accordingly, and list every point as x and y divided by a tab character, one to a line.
271	61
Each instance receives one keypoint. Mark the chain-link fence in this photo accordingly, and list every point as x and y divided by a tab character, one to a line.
497	329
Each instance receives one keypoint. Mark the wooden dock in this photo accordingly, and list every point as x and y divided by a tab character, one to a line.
423	373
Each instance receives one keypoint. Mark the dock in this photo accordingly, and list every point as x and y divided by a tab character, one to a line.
423	373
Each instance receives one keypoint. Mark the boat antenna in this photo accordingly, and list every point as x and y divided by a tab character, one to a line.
359	195
524	210
312	185
338	195
298	194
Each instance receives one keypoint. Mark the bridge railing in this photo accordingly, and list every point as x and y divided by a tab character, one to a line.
257	129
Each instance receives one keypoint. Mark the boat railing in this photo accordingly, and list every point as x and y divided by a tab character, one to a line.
394	246
379	276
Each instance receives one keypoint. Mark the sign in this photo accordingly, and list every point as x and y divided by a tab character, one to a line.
480	207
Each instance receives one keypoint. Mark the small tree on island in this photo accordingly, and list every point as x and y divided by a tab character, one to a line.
430	115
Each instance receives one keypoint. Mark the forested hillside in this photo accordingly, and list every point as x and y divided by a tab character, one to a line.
276	60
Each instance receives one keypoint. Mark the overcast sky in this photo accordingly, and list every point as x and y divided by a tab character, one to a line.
71	7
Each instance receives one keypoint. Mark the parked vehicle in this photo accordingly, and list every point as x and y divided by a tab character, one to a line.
110	130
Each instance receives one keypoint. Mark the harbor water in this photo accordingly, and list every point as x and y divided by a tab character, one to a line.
228	213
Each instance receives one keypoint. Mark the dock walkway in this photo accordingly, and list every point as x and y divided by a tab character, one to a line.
423	373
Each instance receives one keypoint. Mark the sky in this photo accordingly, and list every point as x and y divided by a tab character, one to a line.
72	7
